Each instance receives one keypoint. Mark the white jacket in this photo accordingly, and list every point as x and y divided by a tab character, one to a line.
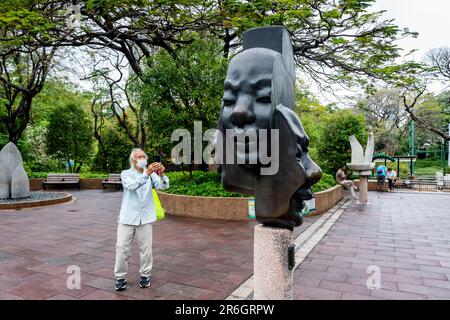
137	201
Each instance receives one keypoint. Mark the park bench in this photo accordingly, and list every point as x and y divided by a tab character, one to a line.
114	179
62	179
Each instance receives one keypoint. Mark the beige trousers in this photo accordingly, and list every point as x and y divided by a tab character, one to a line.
348	184
125	236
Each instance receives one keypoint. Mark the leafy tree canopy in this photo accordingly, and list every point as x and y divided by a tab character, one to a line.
69	135
177	92
334	149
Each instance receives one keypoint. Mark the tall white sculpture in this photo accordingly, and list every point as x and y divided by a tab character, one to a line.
14	181
362	164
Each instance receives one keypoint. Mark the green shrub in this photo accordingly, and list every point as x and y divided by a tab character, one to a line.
325	183
93	175
334	147
207	184
69	135
35	175
83	175
117	147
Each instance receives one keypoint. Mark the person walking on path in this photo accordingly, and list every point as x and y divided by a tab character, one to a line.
392	178
137	213
341	179
381	177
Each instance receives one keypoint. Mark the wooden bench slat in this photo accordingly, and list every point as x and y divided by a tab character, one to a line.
64	179
114	179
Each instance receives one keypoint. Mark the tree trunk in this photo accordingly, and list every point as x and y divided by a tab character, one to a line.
17	120
191	168
421	123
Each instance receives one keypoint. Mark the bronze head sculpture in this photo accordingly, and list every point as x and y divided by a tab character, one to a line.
259	98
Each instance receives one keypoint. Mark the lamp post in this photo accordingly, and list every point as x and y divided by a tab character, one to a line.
443	156
411	146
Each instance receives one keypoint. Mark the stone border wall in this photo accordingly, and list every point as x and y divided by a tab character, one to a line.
327	199
232	208
221	208
206	207
33	204
372	185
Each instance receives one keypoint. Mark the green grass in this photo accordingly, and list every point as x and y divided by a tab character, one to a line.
422	167
427	167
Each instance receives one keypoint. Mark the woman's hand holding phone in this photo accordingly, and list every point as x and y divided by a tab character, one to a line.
153	167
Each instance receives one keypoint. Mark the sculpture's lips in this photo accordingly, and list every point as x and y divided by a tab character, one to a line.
250	132
304	194
246	152
246	140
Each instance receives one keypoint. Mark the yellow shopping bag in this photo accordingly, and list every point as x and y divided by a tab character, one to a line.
159	209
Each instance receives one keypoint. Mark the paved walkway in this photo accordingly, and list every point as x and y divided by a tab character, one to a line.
193	258
405	235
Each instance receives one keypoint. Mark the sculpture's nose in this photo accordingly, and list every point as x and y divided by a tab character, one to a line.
242	113
312	171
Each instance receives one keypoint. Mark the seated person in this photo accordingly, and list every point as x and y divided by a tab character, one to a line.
392	178
381	177
341	179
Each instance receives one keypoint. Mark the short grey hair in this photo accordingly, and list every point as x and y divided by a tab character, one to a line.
133	154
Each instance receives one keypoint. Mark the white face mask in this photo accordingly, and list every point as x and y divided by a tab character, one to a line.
141	163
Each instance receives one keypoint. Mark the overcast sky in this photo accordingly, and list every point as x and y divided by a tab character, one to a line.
430	18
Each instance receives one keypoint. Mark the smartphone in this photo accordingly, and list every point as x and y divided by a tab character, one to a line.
158	160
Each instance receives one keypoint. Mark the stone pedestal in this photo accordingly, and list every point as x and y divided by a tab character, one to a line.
363	189
13	178
362	164
273	280
5	191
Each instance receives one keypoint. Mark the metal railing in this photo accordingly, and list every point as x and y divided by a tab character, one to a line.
425	184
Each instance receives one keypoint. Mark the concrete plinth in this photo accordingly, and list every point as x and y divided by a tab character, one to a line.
273	280
13	178
363	189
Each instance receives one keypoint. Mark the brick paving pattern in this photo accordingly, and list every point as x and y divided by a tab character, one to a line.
193	258
405	235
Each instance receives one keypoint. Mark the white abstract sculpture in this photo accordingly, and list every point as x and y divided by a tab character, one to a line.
14	181
362	164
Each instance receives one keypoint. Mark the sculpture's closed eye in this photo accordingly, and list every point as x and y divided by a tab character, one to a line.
228	102
264	99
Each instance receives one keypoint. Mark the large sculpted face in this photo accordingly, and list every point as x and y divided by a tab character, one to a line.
259	94
247	92
247	98
248	102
